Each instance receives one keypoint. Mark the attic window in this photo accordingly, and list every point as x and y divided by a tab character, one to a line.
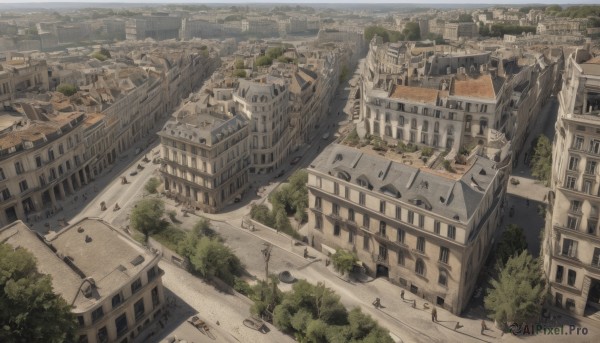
482	172
390	190
338	157
442	200
364	182
343	175
456	217
137	260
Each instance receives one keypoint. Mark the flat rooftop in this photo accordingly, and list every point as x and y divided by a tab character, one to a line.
90	248
479	87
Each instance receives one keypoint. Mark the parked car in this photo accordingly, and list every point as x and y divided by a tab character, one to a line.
133	173
295	160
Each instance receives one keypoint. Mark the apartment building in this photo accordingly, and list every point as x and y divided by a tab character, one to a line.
265	102
571	245
20	74
455	31
114	285
158	26
264	27
205	155
427	230
41	160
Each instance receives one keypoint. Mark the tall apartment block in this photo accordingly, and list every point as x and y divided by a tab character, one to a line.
425	229
571	244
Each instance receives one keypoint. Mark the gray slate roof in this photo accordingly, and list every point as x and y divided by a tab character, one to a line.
455	199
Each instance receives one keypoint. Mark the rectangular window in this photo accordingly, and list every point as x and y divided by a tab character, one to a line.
596	258
117	300
121	325
335	209
576	206
569	248
81	321
421	221
318	203
451	231
559	274
382	206
401	259
138	309
97	314
366	221
595	146
558	299
570	182
23	186
573	163
366	242
19	168
421	244
400	235
571	277
382	227
136	285
102	335
590	167
38	161
361	198
592	224
411	217
570	304
398	213
350	236
155	297
436	227
336	188
572	223
319	183
151	273
588	186
444	253
578	143
318	222
61	149
350	214
347	192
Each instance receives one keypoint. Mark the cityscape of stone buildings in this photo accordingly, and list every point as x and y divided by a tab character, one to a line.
571	246
425	222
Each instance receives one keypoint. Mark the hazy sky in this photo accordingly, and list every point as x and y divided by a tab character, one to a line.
295	2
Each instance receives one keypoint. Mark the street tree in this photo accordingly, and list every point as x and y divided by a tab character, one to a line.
146	217
66	89
262	214
29	310
343	261
212	258
517	293
512	243
152	185
541	162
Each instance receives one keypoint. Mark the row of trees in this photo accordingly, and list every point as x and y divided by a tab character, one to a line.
499	30
289	199
411	32
207	254
314	313
541	161
517	291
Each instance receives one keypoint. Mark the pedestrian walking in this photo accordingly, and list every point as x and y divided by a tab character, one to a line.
483	326
434	314
402	294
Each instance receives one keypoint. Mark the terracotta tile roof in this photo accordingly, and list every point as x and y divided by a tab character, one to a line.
595	60
480	87
414	93
93	118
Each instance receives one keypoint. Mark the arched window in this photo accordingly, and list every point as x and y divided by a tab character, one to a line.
420	267
443	278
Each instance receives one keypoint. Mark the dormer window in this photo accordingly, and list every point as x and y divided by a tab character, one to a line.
364	182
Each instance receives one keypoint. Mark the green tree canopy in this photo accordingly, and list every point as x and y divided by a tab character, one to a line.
512	243
516	294
343	261
152	185
146	216
213	258
239	64
541	162
67	89
239	73
263	61
261	214
29	310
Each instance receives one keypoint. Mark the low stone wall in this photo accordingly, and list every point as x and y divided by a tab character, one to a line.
167	254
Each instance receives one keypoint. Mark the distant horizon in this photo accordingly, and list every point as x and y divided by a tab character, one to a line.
309	2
